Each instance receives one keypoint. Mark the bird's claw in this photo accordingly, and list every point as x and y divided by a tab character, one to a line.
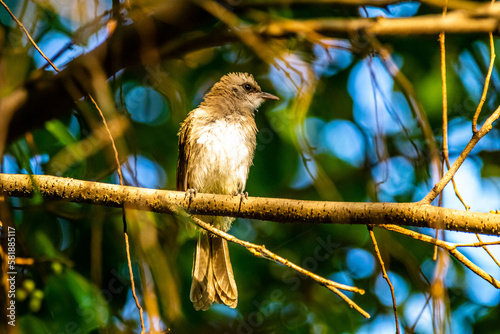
243	196
191	193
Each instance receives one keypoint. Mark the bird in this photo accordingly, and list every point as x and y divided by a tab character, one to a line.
217	141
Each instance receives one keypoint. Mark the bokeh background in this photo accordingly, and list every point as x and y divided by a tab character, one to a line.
345	129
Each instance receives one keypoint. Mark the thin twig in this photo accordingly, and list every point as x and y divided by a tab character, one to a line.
127	247
384	275
486	82
453	4
444	91
28	35
125	233
262	251
444	95
483	244
412	328
455	22
409	92
131	273
445	109
451	248
485	128
242	30
479	244
108	131
248	35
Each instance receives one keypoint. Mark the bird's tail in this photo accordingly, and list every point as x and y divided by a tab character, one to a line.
213	279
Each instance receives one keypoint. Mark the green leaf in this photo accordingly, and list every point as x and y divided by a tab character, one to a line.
32	325
43	246
60	131
72	299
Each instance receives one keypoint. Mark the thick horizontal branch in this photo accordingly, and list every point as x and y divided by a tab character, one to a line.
273	209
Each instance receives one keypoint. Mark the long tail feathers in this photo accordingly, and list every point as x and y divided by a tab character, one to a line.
224	282
213	279
202	286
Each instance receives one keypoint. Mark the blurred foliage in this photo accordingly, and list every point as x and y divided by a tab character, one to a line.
79	282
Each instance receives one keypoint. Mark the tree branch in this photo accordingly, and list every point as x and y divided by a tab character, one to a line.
451	248
167	30
452	4
454	22
262	251
48	96
273	209
485	128
384	275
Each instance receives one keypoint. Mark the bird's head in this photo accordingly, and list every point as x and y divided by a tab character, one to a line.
241	89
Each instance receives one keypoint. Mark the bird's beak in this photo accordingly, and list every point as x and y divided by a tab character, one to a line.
267	96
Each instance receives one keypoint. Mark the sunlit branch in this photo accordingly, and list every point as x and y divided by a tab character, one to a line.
28	36
262	251
450	247
452	4
385	276
122	49
487	126
272	209
484	244
486	84
454	22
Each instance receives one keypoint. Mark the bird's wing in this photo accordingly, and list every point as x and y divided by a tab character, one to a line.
184	151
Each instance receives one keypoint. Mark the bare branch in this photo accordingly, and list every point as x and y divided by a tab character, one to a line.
454	22
486	84
452	4
385	276
487	126
450	247
484	244
28	35
55	94
262	251
273	209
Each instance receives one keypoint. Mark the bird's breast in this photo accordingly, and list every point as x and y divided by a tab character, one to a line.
222	155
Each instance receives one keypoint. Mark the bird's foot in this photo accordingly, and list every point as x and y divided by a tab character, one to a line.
191	193
243	196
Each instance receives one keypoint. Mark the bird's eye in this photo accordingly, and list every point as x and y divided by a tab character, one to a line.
247	87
